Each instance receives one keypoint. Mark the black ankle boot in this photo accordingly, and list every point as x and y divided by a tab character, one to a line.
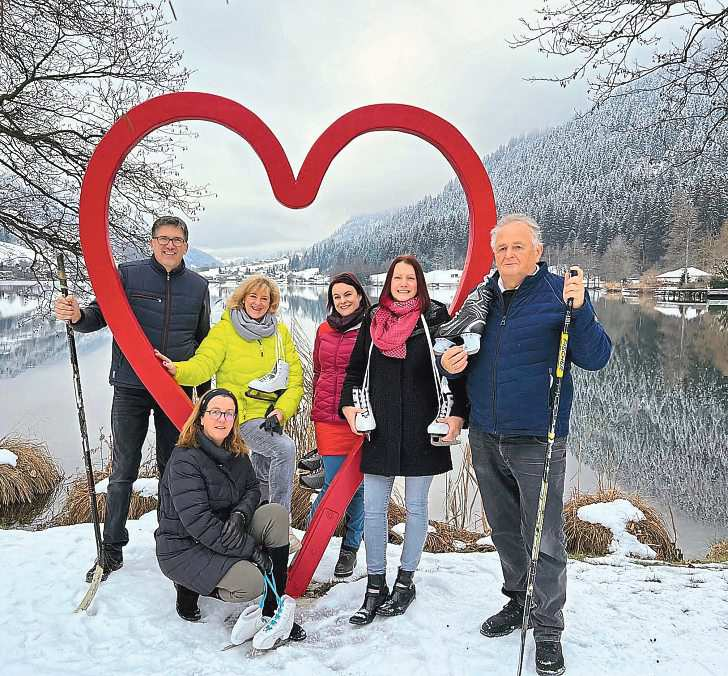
279	558
403	593
187	603
377	593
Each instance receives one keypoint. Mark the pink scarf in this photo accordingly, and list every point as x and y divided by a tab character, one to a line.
392	324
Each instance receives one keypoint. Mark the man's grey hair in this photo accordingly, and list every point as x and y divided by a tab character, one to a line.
534	227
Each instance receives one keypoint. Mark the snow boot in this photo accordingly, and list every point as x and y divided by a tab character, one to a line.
376	595
506	620
187	607
403	593
110	561
314	481
310	462
549	658
271	382
345	565
280	627
364	421
468	323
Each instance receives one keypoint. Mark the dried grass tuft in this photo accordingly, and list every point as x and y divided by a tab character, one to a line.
446	538
718	552
35	474
589	539
77	508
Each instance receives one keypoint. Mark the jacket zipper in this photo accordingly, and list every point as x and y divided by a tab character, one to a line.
148	296
260	346
497	349
167	314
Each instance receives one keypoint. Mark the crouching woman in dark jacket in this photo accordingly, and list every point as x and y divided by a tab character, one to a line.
213	539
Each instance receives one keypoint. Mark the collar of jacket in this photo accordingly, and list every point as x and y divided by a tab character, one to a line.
156	265
217	453
529	282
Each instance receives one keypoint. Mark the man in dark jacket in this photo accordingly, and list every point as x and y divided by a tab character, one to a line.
172	305
509	384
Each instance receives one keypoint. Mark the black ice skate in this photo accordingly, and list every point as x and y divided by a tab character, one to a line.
468	323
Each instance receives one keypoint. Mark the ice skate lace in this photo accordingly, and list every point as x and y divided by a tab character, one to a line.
271	584
272	375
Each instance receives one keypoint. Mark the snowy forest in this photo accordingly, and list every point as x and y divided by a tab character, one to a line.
610	197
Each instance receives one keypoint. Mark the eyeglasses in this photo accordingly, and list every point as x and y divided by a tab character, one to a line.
164	240
217	414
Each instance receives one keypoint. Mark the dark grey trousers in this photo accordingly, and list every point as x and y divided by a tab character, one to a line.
509	472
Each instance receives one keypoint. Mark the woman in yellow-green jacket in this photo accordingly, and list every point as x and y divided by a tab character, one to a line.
252	354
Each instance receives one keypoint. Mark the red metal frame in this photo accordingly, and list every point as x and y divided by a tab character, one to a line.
291	191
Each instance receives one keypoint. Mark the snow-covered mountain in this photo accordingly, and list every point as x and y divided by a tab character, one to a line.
197	258
583	181
15	256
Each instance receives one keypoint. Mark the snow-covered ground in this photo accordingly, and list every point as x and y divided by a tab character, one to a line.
625	619
14	254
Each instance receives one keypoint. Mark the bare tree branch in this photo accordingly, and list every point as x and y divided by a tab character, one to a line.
678	50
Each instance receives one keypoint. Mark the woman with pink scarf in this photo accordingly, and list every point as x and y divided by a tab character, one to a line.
392	361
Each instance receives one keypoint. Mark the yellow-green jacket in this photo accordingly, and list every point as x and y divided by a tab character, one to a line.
237	361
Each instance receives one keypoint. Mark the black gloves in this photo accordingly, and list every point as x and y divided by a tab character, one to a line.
233	532
271	424
261	558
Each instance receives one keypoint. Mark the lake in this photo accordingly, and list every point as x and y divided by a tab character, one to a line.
654	420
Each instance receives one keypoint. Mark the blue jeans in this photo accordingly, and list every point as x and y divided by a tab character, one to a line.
354	519
377	490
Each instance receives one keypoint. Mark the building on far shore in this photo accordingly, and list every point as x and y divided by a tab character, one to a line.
683	276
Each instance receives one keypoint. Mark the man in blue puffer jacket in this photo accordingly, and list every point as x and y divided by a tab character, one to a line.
172	305
509	384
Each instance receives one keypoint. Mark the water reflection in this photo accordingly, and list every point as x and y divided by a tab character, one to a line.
654	420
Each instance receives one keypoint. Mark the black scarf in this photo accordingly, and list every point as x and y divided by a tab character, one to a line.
343	324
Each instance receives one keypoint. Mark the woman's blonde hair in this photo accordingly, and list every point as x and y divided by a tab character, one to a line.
188	436
253	283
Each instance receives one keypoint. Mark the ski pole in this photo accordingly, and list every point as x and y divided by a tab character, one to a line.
99	571
538	530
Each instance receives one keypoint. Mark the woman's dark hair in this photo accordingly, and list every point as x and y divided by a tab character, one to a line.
422	293
346	278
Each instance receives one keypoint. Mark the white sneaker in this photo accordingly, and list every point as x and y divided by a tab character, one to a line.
278	628
249	623
276	380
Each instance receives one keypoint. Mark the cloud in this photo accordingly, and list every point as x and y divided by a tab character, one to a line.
299	66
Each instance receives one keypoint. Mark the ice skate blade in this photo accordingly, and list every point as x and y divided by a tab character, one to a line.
437	441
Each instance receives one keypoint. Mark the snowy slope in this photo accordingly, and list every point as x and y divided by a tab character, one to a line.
626	620
14	254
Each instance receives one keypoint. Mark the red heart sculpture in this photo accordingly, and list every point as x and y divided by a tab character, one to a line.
293	192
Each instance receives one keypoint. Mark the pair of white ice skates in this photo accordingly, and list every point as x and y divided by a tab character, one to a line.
364	421
266	632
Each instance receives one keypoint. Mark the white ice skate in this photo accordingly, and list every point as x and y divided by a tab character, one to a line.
364	421
437	429
250	622
278	628
276	380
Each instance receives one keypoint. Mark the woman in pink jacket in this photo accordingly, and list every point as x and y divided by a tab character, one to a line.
335	338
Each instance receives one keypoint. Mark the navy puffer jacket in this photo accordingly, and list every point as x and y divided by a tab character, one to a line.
509	380
200	487
173	309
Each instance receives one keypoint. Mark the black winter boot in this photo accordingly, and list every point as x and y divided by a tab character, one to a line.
279	557
549	658
403	593
509	618
187	603
377	592
110	561
345	565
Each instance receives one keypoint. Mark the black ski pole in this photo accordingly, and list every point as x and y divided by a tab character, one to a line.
99	571
538	530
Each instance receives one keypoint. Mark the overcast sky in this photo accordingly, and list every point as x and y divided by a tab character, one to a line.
301	65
